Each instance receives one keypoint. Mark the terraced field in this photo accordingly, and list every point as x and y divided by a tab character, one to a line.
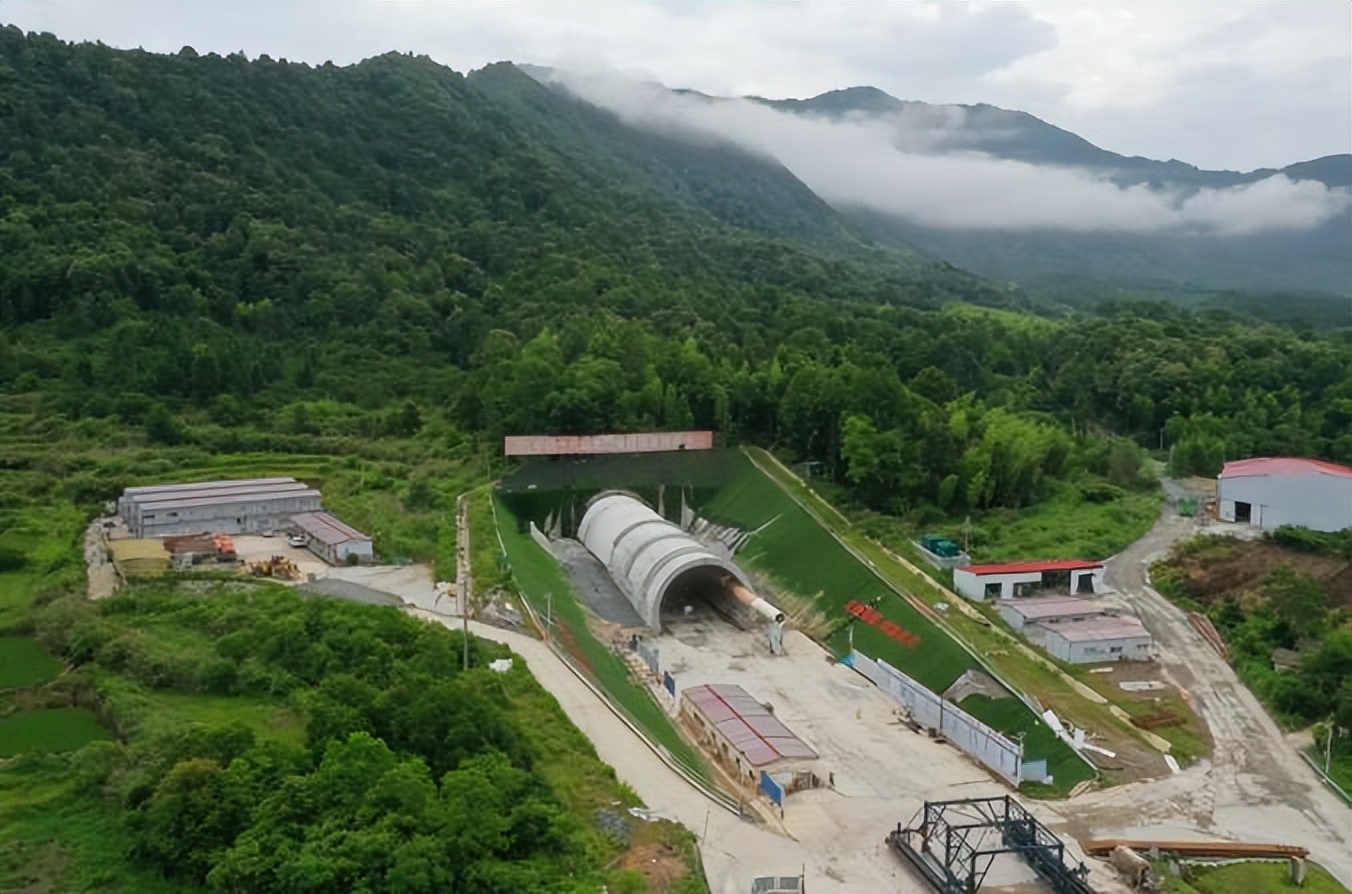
49	730
24	662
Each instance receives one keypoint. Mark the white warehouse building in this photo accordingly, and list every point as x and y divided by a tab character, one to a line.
1271	492
332	540
245	506
1093	640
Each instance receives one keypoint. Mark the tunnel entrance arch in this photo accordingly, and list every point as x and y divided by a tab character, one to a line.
653	561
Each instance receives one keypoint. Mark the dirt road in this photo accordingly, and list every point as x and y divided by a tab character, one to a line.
1255	786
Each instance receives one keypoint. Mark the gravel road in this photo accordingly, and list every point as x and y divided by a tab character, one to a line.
1255	786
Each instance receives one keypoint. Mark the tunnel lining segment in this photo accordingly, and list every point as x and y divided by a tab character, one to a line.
644	553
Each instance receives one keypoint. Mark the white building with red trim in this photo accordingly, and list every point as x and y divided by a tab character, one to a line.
1273	491
1013	579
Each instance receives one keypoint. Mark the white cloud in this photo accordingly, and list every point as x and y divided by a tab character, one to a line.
857	162
1233	84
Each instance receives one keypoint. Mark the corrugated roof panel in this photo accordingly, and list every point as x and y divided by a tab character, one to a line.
327	529
640	442
1092	629
759	735
1282	465
1031	567
225	501
201	485
259	491
1051	607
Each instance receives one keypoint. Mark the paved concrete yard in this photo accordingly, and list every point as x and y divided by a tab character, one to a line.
256	548
883	771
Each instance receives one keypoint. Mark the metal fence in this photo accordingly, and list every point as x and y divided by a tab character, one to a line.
931	711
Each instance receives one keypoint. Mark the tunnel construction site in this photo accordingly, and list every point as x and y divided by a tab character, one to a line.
658	566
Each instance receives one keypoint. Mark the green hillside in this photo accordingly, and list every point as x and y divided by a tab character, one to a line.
364	276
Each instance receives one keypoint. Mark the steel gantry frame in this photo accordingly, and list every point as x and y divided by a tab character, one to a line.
956	842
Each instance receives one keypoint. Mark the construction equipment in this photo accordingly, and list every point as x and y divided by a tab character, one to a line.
278	567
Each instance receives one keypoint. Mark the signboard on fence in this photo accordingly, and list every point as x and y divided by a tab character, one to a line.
772	789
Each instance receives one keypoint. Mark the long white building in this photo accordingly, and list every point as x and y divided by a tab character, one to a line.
245	506
1271	492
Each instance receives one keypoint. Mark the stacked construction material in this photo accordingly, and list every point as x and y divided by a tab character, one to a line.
190	549
140	558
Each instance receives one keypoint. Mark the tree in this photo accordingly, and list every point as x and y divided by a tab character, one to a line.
161	427
1296	598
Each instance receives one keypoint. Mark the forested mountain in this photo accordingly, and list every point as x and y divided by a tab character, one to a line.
236	252
1017	199
1315	258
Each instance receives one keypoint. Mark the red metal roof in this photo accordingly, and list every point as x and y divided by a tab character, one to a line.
1282	465
1030	567
760	736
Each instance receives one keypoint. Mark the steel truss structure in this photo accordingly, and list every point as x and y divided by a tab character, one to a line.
956	842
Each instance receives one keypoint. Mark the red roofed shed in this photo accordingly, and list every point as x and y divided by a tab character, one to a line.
1013	579
739	731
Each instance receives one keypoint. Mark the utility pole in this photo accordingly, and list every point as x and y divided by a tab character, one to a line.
464	617
1328	747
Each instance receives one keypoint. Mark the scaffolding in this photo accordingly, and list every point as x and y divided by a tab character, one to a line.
956	842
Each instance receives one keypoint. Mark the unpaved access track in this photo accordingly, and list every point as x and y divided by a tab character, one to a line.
1255	786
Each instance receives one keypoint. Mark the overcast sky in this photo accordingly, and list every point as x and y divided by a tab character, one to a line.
1217	84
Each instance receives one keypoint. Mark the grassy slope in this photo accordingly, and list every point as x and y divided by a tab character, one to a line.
1251	878
1067	526
797	550
56	834
798	555
539	576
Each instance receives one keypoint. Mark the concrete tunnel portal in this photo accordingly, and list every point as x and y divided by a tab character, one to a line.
654	562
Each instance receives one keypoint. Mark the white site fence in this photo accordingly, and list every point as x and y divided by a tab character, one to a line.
929	710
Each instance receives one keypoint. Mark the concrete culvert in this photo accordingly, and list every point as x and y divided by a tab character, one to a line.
652	560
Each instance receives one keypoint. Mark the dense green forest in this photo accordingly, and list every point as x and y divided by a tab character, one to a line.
351	751
375	271
229	252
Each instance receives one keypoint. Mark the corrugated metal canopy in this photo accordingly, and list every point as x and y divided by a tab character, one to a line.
327	529
760	736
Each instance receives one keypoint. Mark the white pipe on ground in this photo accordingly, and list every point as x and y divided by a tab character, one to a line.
749	598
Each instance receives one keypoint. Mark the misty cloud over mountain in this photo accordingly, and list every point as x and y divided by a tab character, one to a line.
915	162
